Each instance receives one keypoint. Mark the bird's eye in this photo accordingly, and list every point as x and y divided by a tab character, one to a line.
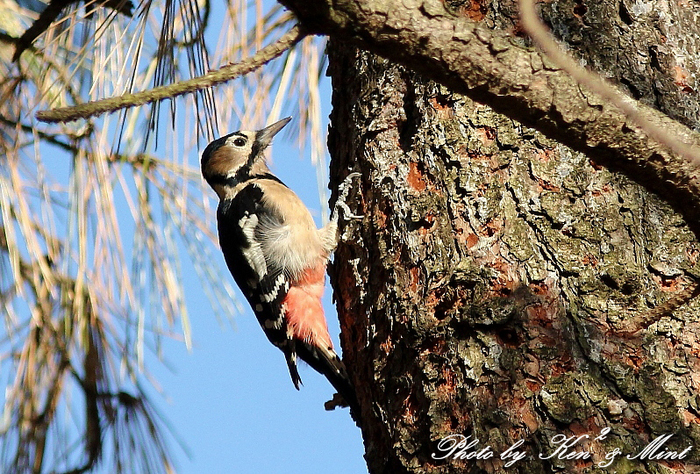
239	141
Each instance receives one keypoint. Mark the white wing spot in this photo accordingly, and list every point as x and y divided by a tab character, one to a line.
281	282
253	254
258	308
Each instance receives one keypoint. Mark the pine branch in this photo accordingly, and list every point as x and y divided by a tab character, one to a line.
224	74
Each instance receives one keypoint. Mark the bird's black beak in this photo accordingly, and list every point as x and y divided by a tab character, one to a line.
264	137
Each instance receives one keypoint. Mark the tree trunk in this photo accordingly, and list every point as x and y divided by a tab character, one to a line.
478	293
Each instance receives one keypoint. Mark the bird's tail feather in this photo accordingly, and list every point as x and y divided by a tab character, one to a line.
327	362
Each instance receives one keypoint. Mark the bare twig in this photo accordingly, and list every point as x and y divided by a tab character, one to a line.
226	73
541	36
43	135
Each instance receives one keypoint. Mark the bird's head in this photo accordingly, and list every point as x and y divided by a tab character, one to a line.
238	155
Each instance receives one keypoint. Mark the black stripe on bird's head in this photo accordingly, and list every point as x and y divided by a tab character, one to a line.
234	157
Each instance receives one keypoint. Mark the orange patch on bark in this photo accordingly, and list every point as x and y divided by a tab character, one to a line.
526	415
444	110
689	418
427	223
546	155
409	412
681	77
634	423
634	359
475	11
478	157
545	185
446	390
434	345
387	346
539	315
380	218
605	189
489	228
486	135
596	166
539	288
432	300
501	265
563	366
670	285
503	287
415	178
415	278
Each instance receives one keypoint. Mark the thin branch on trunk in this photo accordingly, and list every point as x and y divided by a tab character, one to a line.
538	32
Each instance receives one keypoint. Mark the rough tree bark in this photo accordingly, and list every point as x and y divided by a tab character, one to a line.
477	294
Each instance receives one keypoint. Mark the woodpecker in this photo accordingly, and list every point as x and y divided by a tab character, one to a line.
275	253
